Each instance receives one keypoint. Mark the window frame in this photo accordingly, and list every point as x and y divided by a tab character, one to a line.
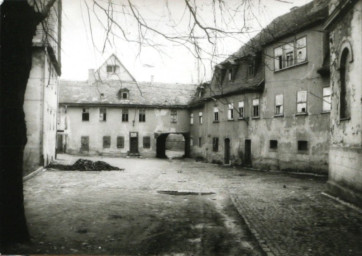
256	108
105	138
215	144
216	114
120	141
173	114
142	115
200	117
191	118
103	114
273	145
112	68
303	146
290	49
300	102
125	115
231	111
327	99
241	109
85	113
279	103
146	142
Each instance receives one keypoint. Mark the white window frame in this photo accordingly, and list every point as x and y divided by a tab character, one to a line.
231	111
327	99
192	118
200	118
256	103
216	114
279	105
302	102
241	109
288	55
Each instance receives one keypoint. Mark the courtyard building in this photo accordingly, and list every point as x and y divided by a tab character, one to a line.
345	153
41	96
112	114
268	104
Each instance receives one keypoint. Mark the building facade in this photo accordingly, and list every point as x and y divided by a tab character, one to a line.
41	96
268	104
111	114
345	155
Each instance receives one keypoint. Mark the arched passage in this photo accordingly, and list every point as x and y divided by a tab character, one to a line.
172	142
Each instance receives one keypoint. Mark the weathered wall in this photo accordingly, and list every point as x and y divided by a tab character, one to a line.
345	173
40	107
157	121
286	129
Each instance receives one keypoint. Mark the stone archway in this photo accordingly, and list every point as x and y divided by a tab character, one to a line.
162	144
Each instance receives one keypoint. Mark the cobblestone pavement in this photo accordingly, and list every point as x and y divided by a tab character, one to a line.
289	215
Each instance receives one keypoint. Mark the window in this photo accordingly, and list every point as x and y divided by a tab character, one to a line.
230	74
345	106
215	144
191	141
85	114
216	114
279	105
302	102
147	142
142	116
112	68
200	142
255	107
231	111
120	142
241	109
102	114
84	143
200	117
302	145
327	99
124	95
192	118
251	68
273	144
290	54
125	115
173	116
106	141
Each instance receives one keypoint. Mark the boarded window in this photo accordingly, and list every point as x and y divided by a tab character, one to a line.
85	114
146	142
216	114
327	99
142	115
102	114
125	115
279	105
174	116
302	102
215	144
106	141
120	142
84	143
200	118
255	107
302	145
231	111
241	109
273	144
192	118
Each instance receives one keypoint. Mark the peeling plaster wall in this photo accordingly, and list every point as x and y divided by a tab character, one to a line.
345	174
287	129
157	121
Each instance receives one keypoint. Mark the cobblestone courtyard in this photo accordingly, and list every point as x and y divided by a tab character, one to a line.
183	207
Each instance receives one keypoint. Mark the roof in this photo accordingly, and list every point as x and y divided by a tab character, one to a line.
140	94
283	26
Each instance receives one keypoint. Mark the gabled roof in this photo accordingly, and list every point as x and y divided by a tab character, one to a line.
116	59
140	94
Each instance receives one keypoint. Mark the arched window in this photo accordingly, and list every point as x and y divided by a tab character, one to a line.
345	95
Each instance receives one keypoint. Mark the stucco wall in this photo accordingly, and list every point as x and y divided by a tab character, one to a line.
345	174
157	121
40	107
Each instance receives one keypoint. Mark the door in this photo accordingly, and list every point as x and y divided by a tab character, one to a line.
133	142
247	152
227	151
84	143
60	148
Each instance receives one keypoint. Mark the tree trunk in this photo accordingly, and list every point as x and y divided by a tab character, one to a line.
17	28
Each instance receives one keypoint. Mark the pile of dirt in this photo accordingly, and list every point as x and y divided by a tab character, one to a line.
85	165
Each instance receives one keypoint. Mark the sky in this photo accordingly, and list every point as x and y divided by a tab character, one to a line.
84	47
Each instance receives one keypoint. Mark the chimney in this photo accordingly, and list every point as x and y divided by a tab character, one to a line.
91	76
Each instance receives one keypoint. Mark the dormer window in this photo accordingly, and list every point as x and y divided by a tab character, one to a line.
112	69
123	94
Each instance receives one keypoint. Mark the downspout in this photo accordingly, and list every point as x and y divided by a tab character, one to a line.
44	105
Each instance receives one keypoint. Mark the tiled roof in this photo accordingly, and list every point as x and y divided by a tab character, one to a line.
285	25
144	94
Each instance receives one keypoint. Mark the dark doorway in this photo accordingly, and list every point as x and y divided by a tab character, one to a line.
84	141
161	146
60	146
133	142
227	151
247	152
